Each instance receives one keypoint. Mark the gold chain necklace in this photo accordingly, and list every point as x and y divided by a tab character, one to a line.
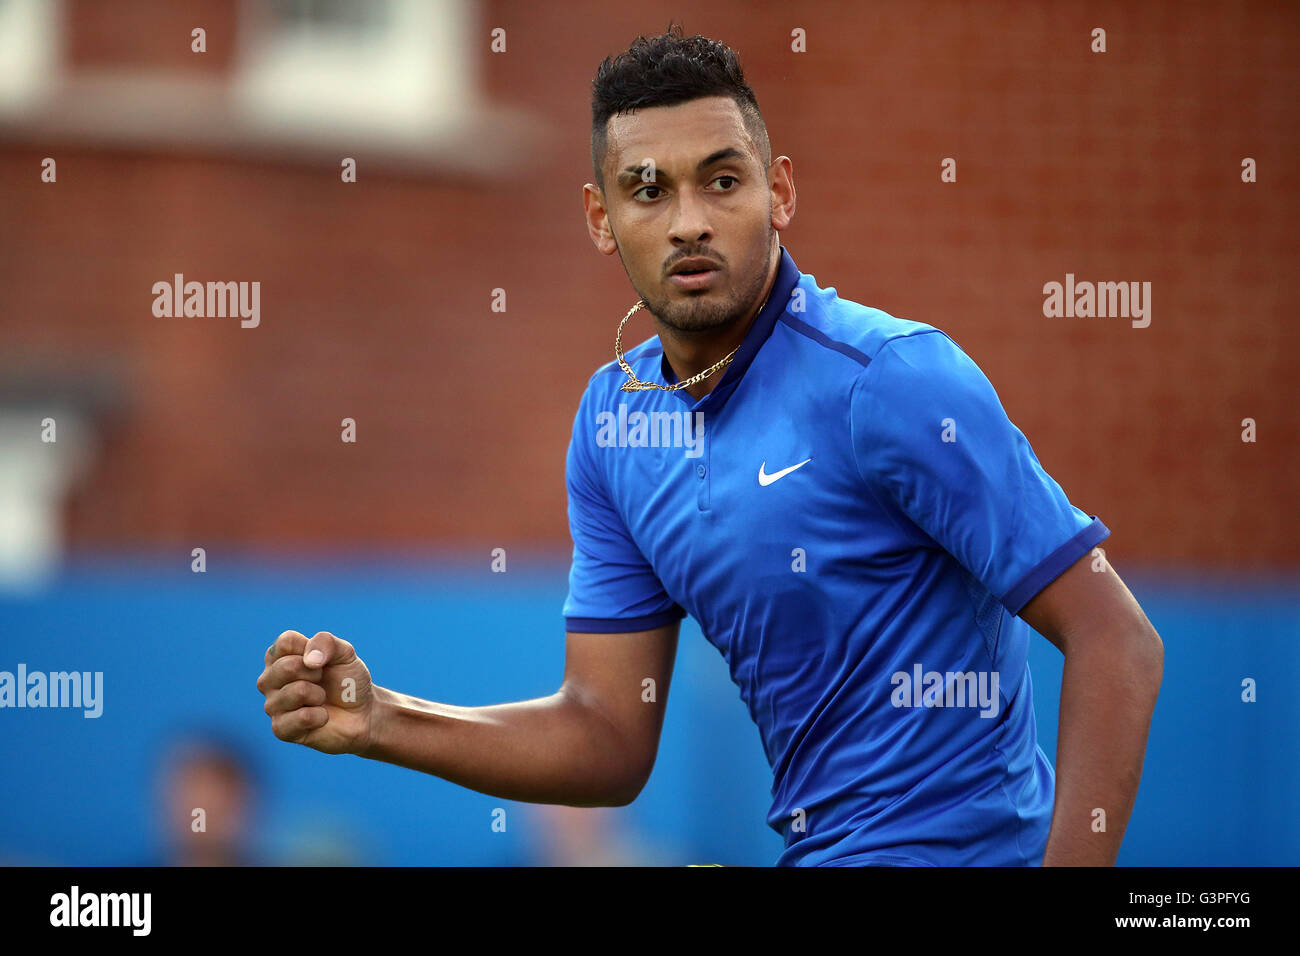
634	384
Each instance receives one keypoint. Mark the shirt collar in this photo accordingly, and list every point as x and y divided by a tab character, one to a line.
787	276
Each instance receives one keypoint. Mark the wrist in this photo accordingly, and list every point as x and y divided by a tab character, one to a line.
378	722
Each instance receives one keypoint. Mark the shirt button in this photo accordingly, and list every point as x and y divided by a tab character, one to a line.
699	470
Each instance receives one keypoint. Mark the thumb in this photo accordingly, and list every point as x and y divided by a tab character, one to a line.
320	650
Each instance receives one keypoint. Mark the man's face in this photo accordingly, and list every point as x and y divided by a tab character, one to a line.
687	181
196	783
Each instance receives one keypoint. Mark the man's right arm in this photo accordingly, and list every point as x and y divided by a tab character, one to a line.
592	743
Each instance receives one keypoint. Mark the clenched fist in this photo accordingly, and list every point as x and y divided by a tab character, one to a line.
318	693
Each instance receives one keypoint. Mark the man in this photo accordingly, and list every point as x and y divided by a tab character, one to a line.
836	495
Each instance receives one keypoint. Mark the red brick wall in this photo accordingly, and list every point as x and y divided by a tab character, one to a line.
375	297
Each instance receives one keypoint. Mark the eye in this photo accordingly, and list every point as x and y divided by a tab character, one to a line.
645	187
733	180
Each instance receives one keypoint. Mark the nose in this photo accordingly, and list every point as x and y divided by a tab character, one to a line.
690	222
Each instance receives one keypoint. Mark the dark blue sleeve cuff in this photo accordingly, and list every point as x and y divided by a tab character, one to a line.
1054	565
623	625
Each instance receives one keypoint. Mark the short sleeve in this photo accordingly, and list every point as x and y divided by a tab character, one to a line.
931	438
612	588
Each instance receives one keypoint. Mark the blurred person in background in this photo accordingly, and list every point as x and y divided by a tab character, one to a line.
588	836
208	794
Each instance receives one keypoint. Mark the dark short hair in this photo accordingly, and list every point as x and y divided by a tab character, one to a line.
664	71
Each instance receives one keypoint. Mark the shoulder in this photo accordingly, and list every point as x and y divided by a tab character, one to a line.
601	399
844	333
892	369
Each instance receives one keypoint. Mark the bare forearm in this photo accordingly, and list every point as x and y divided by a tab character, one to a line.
1108	693
547	750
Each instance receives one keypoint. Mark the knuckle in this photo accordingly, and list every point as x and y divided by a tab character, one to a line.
270	680
284	644
305	693
289	726
284	668
280	703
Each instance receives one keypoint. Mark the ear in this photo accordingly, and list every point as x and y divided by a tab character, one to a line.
781	178
593	204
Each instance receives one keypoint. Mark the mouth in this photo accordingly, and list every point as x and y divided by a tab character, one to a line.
692	279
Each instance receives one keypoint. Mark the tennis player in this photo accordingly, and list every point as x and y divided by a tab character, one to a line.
836	495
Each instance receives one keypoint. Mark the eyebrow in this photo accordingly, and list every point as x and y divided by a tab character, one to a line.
633	173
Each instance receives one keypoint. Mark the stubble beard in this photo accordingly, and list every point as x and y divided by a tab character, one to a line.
708	311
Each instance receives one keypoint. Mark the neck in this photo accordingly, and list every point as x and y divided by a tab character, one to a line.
689	353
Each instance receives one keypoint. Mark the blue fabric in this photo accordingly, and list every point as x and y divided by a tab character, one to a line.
864	599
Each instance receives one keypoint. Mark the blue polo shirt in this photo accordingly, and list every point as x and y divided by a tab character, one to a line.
855	524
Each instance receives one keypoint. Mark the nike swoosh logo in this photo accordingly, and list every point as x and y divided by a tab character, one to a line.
765	479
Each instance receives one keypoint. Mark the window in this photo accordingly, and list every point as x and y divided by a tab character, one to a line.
30	32
383	68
